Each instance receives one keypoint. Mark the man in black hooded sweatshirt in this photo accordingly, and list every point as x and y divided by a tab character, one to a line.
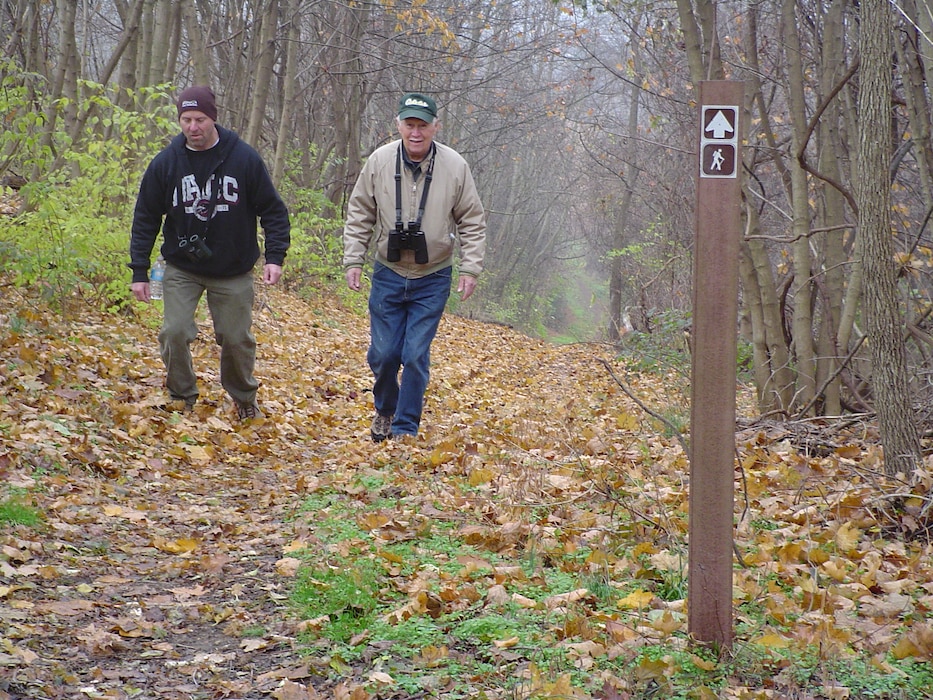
205	191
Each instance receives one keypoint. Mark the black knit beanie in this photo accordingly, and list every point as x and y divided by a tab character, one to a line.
198	98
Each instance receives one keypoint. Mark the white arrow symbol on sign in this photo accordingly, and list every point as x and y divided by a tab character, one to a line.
719	125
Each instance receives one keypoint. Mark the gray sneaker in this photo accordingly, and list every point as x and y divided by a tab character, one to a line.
381	427
246	411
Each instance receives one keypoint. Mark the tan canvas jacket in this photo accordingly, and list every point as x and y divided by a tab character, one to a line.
453	217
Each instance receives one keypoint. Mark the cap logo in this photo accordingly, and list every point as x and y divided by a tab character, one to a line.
415	102
189	103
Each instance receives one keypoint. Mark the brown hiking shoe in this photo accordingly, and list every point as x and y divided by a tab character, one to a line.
381	428
246	411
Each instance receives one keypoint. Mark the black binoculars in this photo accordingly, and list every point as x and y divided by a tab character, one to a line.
198	250
407	238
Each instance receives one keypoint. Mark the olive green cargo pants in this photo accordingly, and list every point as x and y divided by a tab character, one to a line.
230	301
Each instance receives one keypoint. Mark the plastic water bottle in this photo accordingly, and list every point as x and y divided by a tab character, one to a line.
155	278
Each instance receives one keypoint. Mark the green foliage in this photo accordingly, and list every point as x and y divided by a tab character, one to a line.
345	590
577	305
879	678
669	584
411	636
355	589
663	348
649	256
21	117
71	239
676	419
316	251
559	308
517	307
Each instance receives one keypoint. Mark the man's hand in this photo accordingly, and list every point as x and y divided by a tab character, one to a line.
354	275
271	273
141	291
465	286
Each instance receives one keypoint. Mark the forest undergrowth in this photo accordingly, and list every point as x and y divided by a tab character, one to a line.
530	544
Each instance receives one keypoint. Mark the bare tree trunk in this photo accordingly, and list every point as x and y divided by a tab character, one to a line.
832	217
621	222
174	45
64	82
922	13
911	54
71	58
751	301
126	76
774	376
236	33
347	87
293	21
162	60
127	39
146	41
800	202
701	39
198	57
24	18
777	394
885	332
265	59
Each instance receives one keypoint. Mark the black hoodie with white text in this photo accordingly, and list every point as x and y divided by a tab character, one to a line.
217	195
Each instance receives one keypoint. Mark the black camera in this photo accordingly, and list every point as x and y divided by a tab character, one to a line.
198	250
407	238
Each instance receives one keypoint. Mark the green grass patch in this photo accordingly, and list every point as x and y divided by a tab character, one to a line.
15	509
445	611
347	593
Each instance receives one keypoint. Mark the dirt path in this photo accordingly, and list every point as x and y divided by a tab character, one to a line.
154	573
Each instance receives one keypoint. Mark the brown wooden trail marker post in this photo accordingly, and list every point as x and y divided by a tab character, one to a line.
715	309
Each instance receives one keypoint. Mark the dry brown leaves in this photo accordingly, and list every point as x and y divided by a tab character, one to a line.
169	534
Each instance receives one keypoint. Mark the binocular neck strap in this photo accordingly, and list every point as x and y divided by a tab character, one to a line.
215	189
428	176
213	172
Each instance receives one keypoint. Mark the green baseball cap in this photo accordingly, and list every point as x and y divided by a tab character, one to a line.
414	105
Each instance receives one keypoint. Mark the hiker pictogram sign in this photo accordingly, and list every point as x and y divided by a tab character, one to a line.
718	141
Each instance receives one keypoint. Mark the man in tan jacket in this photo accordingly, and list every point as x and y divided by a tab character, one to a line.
414	204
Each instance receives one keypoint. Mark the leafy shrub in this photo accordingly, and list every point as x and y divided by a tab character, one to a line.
662	349
71	240
72	236
316	250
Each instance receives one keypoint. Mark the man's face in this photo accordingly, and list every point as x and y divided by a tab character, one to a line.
417	136
198	129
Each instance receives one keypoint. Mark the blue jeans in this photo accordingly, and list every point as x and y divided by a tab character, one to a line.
403	318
